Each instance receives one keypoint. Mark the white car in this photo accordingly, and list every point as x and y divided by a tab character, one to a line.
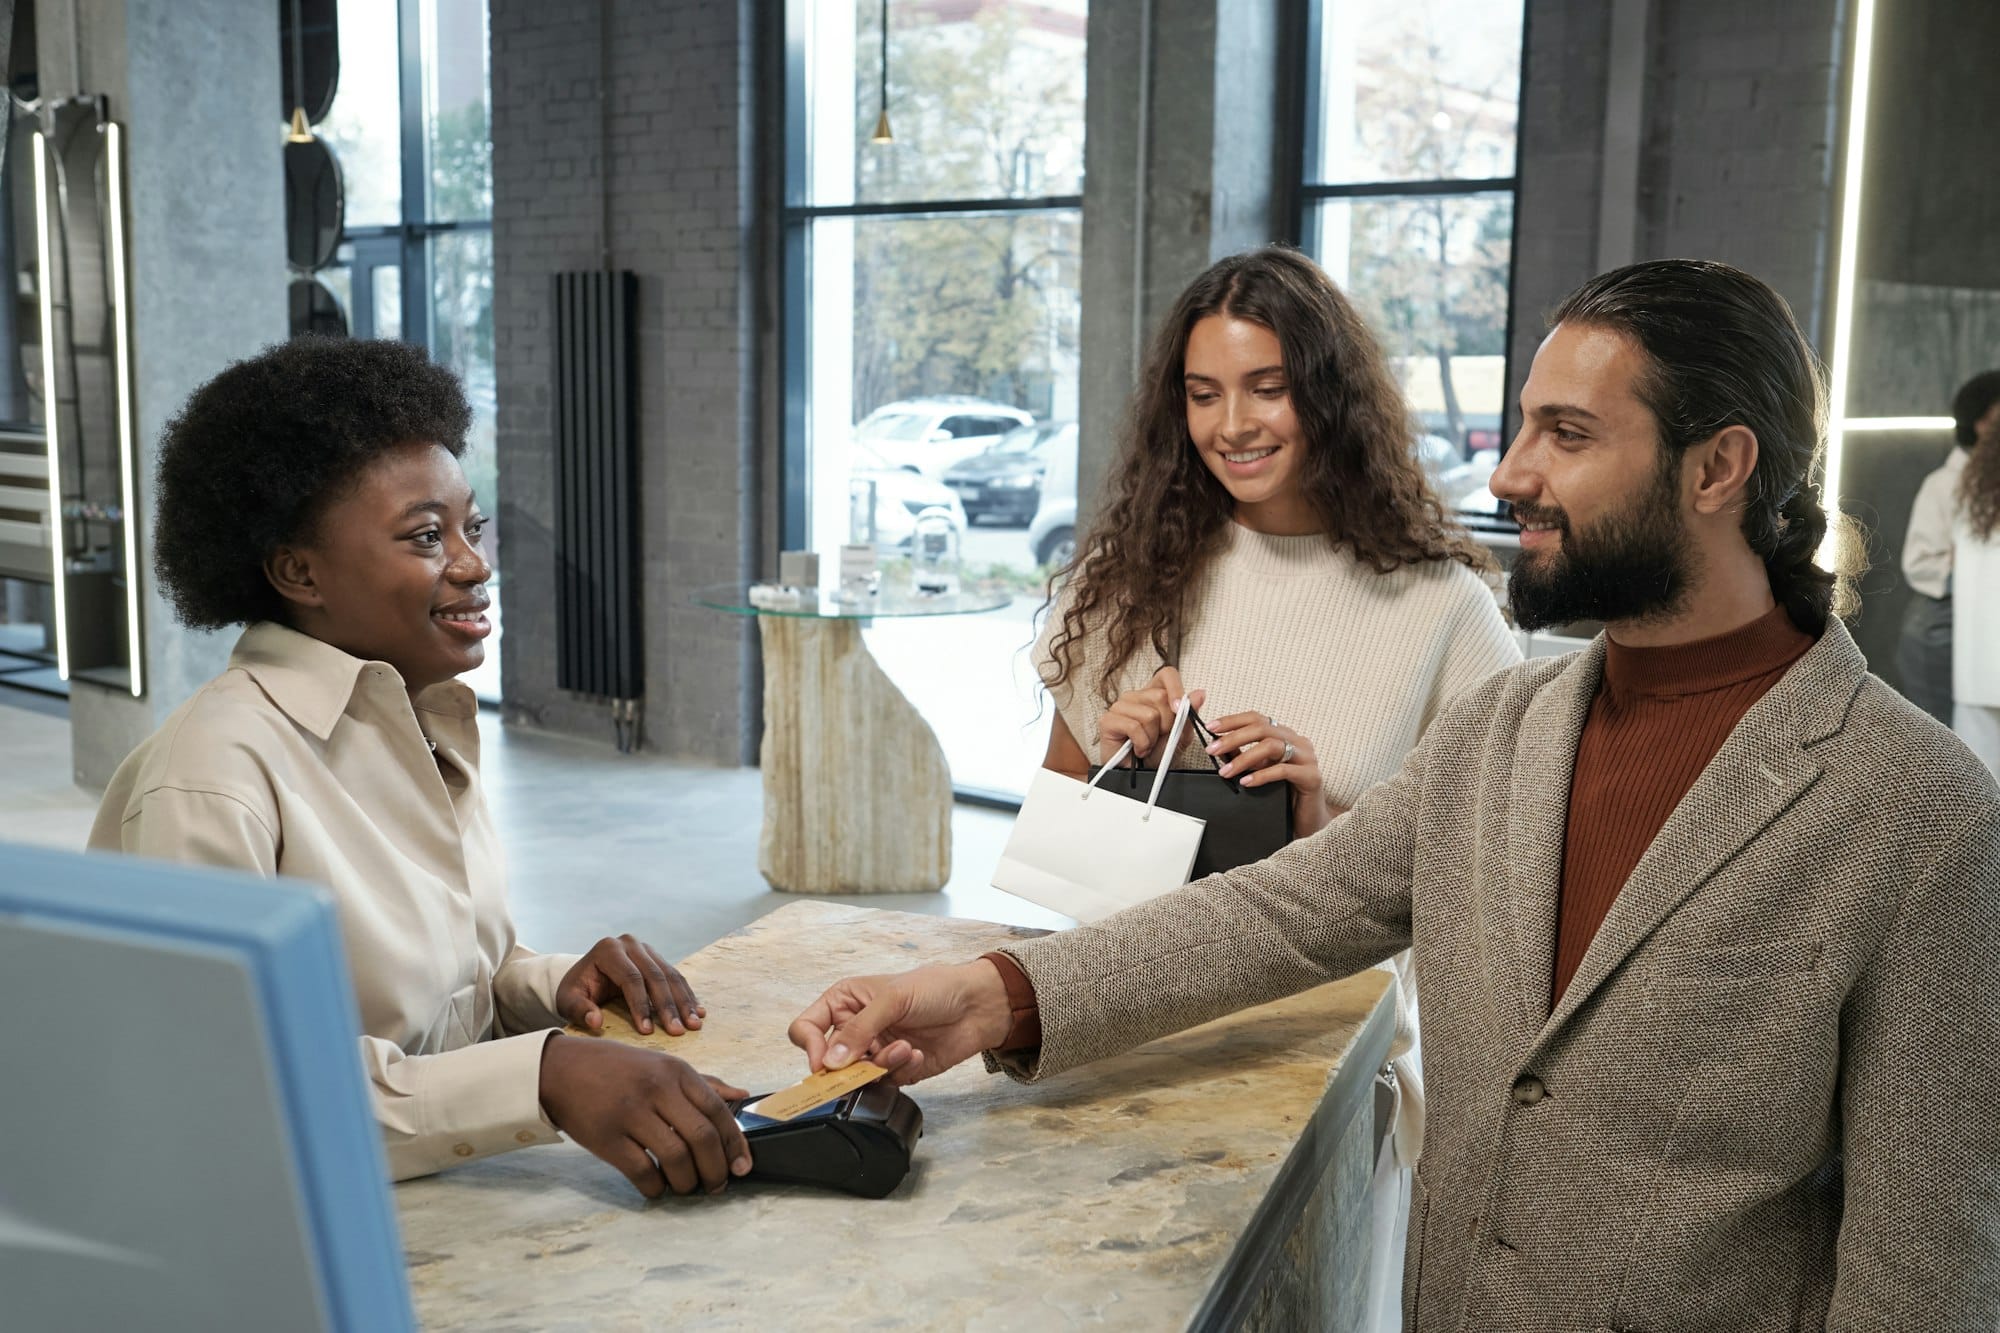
928	435
1052	532
1460	482
900	496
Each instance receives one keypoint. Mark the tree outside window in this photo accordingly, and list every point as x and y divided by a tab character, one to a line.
1410	184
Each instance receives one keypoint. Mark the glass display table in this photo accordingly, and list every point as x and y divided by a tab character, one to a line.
857	794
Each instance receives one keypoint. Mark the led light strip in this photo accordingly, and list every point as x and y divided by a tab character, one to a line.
1854	424
1850	239
121	323
49	413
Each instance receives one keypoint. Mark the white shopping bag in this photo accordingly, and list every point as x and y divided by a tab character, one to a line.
1087	852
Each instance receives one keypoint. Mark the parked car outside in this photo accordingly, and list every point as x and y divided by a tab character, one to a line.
900	496
929	435
1005	482
1465	487
1460	482
1052	532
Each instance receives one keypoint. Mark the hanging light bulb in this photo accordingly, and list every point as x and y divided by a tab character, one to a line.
882	134
301	131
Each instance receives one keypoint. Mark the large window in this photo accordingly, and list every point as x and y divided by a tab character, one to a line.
1410	182
409	125
932	309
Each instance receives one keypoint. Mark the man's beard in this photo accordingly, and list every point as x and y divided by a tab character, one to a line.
1634	565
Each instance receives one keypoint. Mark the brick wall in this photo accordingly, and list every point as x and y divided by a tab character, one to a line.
638	139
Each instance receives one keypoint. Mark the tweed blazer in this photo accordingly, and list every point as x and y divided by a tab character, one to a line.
1770	1098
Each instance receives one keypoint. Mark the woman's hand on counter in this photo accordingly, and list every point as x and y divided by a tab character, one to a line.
626	968
914	1024
1142	716
646	1112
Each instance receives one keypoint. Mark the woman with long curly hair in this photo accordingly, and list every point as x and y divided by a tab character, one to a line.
1975	577
1269	541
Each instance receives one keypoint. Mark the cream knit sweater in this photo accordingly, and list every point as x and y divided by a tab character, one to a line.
1301	631
1360	662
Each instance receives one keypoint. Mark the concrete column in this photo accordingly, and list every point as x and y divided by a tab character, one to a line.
195	83
1186	158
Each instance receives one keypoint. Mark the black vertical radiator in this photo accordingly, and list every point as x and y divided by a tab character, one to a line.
599	650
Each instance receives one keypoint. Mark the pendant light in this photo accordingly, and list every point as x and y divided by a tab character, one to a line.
301	132
882	134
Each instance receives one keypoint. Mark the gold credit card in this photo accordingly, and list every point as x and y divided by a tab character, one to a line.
618	1026
816	1090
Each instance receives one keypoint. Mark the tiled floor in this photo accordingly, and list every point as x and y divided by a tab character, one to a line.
598	843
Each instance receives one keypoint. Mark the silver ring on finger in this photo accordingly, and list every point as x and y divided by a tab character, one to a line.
1290	750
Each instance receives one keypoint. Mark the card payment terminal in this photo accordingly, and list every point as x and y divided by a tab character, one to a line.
860	1142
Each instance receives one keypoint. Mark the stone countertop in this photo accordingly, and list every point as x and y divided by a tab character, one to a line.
1112	1195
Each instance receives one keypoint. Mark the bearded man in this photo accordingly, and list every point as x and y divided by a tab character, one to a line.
1706	918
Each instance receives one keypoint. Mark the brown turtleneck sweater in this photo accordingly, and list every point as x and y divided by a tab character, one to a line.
1659	717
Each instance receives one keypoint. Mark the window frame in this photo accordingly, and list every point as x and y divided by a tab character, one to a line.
796	221
1312	193
413	232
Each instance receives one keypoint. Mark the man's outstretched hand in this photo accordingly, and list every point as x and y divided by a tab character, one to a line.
914	1024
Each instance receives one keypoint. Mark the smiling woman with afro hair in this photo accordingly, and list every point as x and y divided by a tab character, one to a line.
313	493
248	465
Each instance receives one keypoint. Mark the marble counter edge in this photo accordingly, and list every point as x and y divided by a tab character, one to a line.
1350	1092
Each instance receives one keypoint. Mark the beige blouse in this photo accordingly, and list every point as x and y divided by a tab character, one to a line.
302	761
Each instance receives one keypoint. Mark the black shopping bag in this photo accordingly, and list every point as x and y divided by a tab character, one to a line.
1243	825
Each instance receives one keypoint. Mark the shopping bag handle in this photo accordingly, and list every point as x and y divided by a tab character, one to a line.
1181	714
1201	730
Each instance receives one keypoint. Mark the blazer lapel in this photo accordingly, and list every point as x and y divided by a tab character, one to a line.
1538	815
1760	770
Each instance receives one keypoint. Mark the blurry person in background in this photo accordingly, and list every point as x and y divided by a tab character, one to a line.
1975	572
1923	654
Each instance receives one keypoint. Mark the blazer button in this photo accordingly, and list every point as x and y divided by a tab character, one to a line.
463	1149
525	1136
1529	1091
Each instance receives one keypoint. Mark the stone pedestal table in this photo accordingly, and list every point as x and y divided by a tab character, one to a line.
857	794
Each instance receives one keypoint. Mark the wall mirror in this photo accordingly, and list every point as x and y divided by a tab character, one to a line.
86	390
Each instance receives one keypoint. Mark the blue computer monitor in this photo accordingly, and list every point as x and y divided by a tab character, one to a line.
185	1138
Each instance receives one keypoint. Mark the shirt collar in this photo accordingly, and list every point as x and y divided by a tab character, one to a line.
312	682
